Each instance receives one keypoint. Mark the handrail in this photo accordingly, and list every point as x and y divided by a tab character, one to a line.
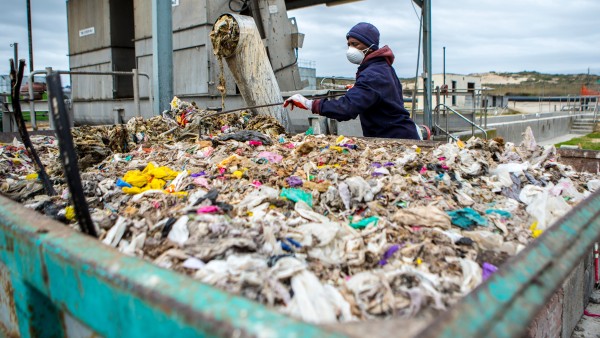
596	111
133	73
473	124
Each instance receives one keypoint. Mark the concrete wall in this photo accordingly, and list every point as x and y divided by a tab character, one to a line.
543	128
543	106
565	308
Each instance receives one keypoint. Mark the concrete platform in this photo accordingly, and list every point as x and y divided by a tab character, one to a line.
589	326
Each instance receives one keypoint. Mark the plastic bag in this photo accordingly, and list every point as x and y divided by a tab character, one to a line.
466	218
314	303
593	185
428	216
295	194
486	240
180	233
542	206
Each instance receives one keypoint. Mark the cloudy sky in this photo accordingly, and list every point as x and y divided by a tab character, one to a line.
558	36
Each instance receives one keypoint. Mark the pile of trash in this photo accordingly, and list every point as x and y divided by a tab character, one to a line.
324	228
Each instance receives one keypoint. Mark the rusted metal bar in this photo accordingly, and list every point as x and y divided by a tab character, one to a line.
68	156
16	78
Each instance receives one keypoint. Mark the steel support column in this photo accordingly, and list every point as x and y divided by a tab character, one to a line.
162	54
427	69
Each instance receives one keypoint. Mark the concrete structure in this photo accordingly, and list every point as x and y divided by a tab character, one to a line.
534	104
462	90
117	36
308	74
5	84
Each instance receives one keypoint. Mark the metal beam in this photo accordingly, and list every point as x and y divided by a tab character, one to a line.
295	4
427	68
162	54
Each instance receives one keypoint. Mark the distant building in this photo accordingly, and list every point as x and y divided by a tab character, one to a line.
5	84
308	74
464	91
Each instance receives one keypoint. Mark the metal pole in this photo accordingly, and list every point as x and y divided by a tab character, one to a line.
29	37
31	100
444	65
15	46
136	92
48	72
162	54
427	63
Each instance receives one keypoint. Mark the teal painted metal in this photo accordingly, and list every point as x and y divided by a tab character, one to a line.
505	304
56	270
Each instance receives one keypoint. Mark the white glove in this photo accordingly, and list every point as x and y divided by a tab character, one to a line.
299	101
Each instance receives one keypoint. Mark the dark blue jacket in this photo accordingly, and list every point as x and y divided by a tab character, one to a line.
376	97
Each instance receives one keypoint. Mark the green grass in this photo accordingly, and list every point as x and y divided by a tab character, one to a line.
584	142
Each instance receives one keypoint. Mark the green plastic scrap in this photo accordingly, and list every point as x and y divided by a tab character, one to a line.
365	222
295	194
467	217
309	131
502	213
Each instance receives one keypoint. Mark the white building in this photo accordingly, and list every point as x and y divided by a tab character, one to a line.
462	90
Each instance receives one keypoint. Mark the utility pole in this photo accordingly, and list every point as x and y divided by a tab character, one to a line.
444	84
15	47
427	69
29	37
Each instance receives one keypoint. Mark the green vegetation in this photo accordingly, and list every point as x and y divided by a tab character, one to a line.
587	142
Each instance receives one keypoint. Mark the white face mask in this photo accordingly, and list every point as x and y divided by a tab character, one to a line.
355	55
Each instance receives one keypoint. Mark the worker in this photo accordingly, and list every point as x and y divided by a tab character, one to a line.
376	95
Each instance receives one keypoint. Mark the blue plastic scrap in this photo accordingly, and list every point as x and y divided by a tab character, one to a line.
466	218
502	213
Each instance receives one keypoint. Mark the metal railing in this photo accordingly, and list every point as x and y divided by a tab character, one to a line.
446	131
136	87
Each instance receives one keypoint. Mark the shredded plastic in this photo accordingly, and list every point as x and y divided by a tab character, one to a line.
324	228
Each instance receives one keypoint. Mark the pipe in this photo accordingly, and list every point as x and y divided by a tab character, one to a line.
236	39
31	100
136	92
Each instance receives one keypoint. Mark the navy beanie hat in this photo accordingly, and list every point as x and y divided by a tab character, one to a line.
365	33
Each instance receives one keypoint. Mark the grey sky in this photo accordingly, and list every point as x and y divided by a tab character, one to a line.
559	36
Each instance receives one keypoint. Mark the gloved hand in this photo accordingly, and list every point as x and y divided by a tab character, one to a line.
299	101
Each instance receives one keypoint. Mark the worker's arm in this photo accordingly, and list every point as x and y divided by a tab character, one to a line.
358	99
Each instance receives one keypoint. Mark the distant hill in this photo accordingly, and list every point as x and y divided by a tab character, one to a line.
530	83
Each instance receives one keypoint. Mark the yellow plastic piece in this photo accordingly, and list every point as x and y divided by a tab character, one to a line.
70	213
132	190
175	102
418	150
151	177
237	174
535	232
227	161
136	178
339	139
32	176
460	144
